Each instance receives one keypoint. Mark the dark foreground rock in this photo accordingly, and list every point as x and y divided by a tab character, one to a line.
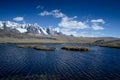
75	48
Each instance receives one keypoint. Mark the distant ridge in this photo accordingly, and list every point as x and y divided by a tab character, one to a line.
11	32
16	37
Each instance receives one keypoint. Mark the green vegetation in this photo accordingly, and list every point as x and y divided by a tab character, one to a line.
76	48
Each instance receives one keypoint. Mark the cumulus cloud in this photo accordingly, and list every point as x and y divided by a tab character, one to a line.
96	24
72	26
90	34
97	27
98	21
18	19
56	13
67	31
71	23
79	33
45	13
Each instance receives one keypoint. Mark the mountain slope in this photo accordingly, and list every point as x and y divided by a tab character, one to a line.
11	32
15	37
28	28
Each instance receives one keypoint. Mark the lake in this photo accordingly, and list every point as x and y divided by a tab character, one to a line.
101	63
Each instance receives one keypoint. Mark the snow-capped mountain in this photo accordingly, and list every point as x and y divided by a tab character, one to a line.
29	28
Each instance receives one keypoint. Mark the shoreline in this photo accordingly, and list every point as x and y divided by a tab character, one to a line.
111	43
100	45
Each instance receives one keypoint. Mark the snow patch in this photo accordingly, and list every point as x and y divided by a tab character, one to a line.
21	30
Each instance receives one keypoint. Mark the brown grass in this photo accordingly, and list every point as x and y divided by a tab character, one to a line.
44	48
37	47
109	45
75	48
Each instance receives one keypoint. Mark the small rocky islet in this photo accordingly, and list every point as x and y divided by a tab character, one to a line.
70	48
37	47
75	48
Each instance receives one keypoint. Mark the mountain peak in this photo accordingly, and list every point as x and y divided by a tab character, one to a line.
29	28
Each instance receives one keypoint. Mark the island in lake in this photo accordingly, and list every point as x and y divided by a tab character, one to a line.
59	39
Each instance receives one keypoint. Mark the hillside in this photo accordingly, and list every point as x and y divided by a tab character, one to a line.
14	37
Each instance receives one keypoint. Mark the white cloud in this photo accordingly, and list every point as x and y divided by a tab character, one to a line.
98	21
90	34
79	33
97	27
71	23
72	26
45	13
18	19
56	13
57	29
66	31
39	7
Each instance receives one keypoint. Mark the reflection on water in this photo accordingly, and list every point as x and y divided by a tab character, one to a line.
99	64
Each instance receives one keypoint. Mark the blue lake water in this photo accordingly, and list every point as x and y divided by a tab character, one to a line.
101	63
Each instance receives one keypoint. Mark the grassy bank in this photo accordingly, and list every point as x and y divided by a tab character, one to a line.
108	45
53	39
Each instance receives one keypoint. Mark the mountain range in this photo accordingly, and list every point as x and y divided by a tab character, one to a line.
34	29
12	32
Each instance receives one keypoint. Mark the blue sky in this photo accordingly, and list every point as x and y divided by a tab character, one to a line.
77	17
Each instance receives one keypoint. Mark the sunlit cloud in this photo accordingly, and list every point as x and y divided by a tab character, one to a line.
56	13
69	25
98	21
18	18
97	27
